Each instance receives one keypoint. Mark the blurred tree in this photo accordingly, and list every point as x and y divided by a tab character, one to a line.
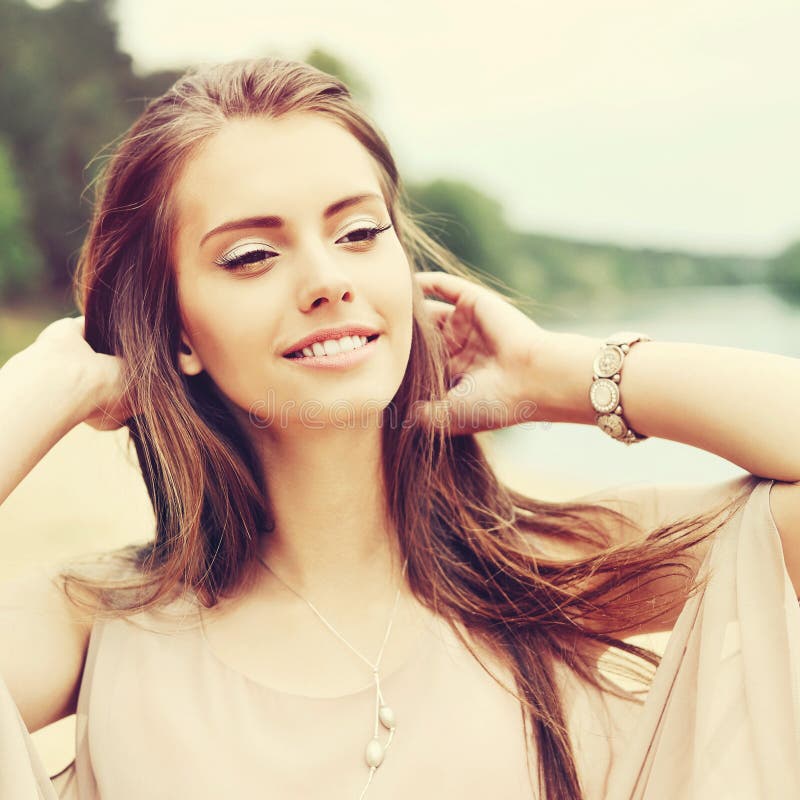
784	273
468	222
65	92
20	262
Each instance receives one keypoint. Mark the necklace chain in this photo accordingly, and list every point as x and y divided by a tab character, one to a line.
384	715
332	629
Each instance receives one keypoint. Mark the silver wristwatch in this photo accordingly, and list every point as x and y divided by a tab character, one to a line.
604	391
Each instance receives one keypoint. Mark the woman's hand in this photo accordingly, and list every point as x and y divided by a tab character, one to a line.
61	345
490	348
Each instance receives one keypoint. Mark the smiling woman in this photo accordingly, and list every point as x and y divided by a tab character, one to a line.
261	312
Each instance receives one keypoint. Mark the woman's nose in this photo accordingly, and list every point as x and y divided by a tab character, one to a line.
323	280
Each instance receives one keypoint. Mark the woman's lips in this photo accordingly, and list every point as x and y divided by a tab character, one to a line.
341	360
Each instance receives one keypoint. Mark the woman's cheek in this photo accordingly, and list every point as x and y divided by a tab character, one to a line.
235	359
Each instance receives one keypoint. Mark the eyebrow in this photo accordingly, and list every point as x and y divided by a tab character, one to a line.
277	222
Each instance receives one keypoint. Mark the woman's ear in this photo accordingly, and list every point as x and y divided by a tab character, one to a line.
188	360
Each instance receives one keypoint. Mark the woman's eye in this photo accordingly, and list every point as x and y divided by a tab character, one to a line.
245	257
364	234
250	258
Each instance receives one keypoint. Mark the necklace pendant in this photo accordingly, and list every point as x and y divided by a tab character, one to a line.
374	753
387	718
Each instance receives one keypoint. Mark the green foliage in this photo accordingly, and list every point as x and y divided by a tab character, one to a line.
784	273
66	90
467	222
20	261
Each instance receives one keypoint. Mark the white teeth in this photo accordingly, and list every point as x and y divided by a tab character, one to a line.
331	347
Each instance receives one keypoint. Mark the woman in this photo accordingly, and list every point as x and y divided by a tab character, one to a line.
354	605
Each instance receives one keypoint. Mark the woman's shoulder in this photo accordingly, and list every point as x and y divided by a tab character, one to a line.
113	587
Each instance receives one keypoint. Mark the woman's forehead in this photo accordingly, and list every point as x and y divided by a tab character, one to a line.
292	167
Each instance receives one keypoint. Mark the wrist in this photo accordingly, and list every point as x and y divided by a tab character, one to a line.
560	376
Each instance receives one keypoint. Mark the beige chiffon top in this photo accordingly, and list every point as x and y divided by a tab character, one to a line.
161	716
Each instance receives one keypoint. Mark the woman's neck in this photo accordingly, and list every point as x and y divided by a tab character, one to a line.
333	540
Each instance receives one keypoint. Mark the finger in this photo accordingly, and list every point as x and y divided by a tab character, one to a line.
438	311
450	287
449	415
435	414
441	314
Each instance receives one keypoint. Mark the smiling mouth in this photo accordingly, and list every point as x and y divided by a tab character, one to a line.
299	353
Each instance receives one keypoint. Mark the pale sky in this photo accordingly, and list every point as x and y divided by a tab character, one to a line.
671	123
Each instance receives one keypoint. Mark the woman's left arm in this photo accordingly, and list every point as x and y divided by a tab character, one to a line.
742	405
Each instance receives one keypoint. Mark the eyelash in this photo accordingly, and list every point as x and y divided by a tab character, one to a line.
261	254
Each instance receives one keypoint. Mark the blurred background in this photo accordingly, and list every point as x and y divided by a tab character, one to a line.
621	164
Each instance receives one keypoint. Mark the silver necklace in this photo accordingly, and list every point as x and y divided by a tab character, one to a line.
384	715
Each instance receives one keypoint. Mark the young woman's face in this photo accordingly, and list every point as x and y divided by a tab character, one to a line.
276	241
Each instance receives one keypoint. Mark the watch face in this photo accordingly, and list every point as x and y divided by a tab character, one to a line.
604	395
612	424
608	361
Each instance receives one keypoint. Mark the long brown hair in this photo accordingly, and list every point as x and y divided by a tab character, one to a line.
475	548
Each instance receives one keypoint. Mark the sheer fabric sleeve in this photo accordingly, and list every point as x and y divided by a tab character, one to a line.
22	773
722	717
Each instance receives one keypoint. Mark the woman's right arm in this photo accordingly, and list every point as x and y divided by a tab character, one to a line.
45	391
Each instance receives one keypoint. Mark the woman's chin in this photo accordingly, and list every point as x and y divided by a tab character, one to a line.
359	411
